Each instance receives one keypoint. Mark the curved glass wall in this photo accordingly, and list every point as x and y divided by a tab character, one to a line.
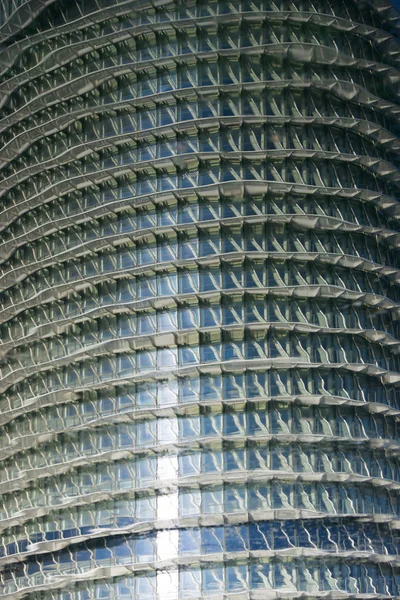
199	299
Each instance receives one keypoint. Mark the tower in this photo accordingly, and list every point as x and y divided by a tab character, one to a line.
199	296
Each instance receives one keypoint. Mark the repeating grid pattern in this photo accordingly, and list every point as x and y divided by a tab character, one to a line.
199	299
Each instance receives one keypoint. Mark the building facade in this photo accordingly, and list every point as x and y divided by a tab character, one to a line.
199	299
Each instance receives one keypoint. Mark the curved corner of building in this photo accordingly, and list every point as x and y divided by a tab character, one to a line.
199	300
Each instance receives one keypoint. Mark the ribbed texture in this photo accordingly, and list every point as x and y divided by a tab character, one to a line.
199	299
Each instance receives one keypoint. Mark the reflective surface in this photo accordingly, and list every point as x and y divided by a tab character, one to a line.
199	299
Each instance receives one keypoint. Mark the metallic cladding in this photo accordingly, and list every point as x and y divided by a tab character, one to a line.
199	299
